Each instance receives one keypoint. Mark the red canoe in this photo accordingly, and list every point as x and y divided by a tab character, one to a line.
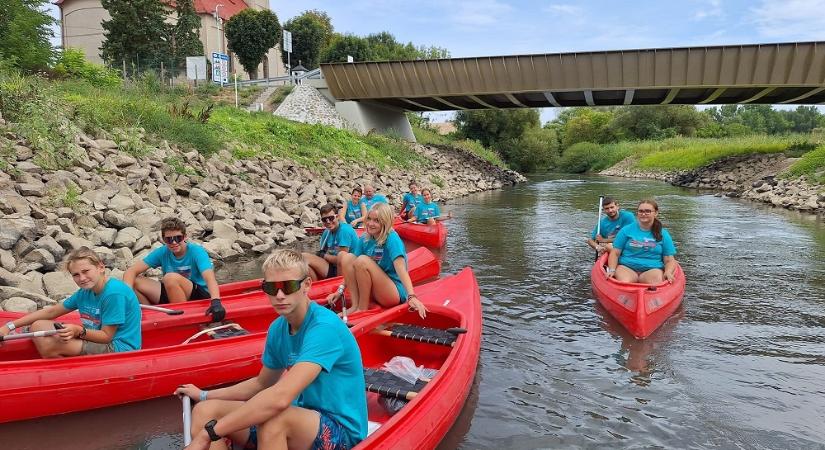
434	236
421	424
623	300
422	265
34	387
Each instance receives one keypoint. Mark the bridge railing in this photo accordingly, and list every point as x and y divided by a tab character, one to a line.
286	79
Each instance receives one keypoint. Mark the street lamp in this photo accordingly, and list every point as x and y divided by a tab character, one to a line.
219	22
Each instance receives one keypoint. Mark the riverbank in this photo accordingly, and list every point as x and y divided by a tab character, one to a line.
766	178
111	200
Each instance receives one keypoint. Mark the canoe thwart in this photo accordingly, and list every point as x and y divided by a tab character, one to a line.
388	385
423	334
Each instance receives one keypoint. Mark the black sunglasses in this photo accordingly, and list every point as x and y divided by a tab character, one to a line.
288	286
327	219
174	239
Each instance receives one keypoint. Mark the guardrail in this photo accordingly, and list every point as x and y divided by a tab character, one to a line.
286	79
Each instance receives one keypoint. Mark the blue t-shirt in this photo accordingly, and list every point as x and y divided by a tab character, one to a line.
118	305
191	266
353	211
377	198
411	200
640	251
343	236
339	389
424	211
611	227
385	255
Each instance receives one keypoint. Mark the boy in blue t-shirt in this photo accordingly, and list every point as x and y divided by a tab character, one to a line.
310	391
614	220
187	272
409	201
109	312
337	239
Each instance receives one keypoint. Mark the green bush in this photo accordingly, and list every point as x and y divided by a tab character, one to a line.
811	164
73	64
580	157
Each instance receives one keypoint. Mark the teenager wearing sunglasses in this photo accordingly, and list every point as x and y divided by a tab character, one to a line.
309	392
380	271
188	273
643	252
354	209
336	240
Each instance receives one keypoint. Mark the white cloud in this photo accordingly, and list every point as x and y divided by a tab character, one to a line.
561	8
791	19
713	8
479	13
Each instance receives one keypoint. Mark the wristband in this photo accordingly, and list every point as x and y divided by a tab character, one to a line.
203	395
10	326
341	289
82	332
411	296
609	270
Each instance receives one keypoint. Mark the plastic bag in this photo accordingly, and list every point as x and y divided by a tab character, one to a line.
404	368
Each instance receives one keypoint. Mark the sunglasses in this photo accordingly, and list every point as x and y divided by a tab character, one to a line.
288	286
174	239
644	211
327	219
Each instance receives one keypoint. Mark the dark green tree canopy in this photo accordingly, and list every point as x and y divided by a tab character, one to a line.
493	126
346	44
136	33
311	32
377	47
24	34
250	34
185	33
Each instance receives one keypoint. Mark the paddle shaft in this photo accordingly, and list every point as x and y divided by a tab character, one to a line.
171	312
187	419
599	224
30	335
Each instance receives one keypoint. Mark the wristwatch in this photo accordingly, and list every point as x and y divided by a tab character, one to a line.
210	429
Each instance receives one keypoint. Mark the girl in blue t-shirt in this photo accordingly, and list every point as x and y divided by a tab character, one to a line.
643	252
109	313
379	272
427	211
354	209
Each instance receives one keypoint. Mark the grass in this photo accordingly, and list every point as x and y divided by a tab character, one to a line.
687	154
811	165
427	136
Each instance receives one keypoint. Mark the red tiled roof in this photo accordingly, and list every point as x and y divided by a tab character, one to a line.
228	9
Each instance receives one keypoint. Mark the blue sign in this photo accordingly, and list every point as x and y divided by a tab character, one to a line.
220	68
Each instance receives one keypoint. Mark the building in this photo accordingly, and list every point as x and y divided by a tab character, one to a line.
80	27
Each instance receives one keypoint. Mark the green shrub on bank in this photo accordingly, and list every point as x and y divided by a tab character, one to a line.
688	154
73	64
427	136
581	157
811	164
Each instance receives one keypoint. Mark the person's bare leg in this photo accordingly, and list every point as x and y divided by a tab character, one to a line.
383	289
147	290
350	281
178	288
626	274
364	280
652	276
318	267
294	428
52	346
215	409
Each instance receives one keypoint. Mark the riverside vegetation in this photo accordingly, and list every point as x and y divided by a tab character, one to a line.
92	161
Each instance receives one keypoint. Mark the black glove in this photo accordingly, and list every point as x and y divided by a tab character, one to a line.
216	309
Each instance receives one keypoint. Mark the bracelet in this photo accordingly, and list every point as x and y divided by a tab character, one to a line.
203	395
341	289
10	326
409	296
609	270
82	332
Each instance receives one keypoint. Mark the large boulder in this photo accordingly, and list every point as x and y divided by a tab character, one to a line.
13	228
127	237
59	285
19	305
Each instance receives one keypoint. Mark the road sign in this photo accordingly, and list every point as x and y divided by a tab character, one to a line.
220	68
287	41
196	67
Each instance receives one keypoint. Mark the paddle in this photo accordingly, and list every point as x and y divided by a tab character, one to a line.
171	312
187	419
30	335
599	225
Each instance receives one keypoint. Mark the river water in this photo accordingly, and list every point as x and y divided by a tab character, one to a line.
740	365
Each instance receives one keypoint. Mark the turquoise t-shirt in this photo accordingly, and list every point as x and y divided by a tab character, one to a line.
424	211
343	236
640	251
611	227
353	211
117	305
191	266
377	198
385	255
339	389
411	200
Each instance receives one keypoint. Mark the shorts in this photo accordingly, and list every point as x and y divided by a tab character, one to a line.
332	272
94	348
198	293
331	435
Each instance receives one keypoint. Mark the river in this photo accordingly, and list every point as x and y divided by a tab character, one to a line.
740	365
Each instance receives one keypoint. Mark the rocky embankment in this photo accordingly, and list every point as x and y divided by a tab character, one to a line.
753	177
112	201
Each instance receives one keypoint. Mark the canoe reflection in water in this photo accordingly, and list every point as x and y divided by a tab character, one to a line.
638	355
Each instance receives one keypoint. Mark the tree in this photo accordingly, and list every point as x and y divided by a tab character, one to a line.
657	121
311	32
24	34
346	44
494	126
805	118
136	33
185	33
250	34
588	125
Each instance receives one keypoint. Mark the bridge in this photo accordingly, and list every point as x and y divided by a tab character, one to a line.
786	73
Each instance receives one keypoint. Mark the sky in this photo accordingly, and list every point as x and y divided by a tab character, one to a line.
502	27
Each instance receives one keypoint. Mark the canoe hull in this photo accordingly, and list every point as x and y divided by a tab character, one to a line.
640	308
434	236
